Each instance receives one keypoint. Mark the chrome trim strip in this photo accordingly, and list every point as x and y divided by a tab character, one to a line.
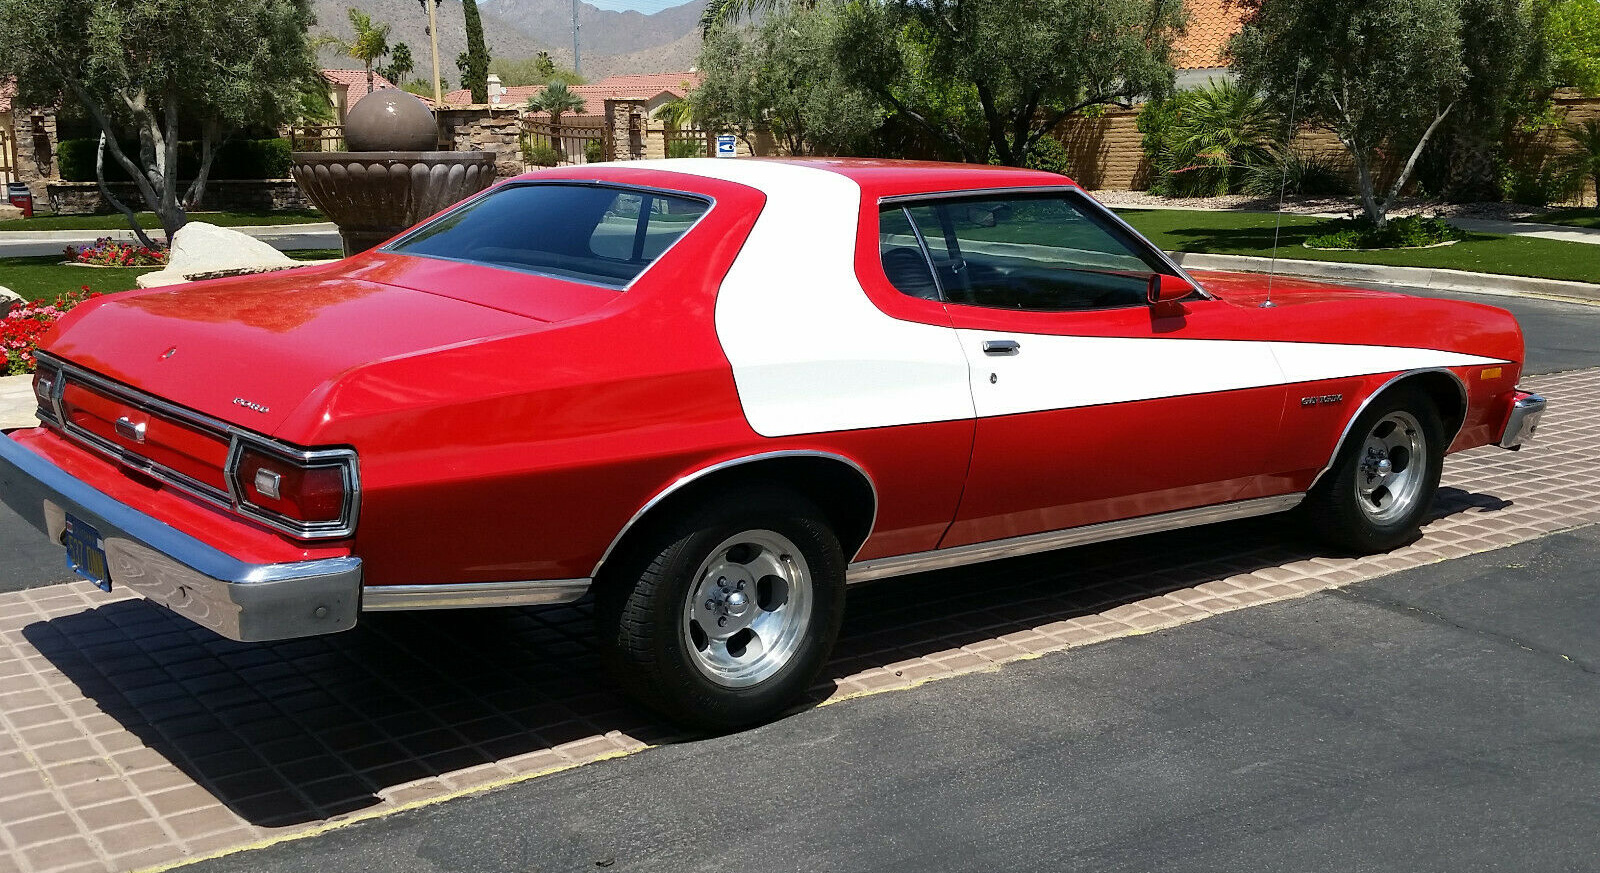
736	462
1522	421
1351	422
226	499
1073	190
393	598
940	559
239	600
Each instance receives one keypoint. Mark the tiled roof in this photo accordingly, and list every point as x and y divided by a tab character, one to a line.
1211	24
8	89
355	84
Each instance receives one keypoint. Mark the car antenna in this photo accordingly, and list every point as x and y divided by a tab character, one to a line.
1283	190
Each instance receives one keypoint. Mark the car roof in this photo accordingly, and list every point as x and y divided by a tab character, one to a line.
876	177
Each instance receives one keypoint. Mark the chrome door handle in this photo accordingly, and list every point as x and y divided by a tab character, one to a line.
1001	347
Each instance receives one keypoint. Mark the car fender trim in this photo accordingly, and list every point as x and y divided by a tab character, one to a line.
1350	423
690	478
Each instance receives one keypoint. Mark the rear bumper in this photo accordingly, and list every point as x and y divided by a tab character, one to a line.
239	600
1523	420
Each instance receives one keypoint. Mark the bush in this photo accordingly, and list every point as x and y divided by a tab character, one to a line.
235	159
1400	233
1296	172
594	152
1539	184
1203	142
23	327
686	148
541	155
1048	154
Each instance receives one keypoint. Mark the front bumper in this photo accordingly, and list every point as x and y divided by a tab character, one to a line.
239	600
1523	420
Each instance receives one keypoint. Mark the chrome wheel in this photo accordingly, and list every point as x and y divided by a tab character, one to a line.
749	608
1391	471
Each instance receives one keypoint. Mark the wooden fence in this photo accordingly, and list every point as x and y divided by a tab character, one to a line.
8	156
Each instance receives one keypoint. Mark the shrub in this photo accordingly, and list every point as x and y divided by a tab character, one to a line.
1202	142
541	155
594	152
235	159
1400	233
107	252
1538	183
23	327
686	148
1047	154
1298	172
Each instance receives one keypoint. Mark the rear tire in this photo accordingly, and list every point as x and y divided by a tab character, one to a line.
1382	483
723	617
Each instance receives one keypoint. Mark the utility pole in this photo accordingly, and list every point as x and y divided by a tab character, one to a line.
577	65
433	40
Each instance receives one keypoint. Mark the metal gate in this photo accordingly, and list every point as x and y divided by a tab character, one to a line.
690	143
560	145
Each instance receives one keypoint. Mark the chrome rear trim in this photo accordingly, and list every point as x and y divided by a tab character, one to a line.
1522	421
940	559
392	598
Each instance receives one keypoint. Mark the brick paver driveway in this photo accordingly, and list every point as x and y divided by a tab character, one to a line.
132	738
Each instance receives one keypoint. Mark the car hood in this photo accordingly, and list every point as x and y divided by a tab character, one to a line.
252	349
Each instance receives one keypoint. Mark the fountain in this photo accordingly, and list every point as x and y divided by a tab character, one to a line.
390	179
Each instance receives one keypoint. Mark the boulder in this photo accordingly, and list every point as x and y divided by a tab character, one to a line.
200	248
8	299
8	212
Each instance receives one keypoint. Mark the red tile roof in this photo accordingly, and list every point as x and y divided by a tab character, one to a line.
1211	24
8	89
595	95
355	84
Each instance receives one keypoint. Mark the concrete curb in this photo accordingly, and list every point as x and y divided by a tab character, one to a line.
283	237
1415	277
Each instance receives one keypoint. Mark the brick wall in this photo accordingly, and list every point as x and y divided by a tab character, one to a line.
83	198
1104	152
35	149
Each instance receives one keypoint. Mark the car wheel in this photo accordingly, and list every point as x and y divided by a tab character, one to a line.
723	618
1374	497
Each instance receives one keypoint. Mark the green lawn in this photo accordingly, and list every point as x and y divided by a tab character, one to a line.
47	277
1589	218
1250	233
148	220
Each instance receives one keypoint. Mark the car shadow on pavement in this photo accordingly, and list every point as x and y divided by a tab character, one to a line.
303	730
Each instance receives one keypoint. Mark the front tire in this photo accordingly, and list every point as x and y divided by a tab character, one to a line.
1382	483
721	619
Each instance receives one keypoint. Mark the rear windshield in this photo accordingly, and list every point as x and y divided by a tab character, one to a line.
605	236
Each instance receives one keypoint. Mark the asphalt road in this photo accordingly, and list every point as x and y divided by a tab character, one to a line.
1560	336
1441	719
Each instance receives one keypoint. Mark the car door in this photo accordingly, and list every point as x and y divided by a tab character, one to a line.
1092	404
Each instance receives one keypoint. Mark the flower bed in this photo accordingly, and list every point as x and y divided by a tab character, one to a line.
107	252
23	327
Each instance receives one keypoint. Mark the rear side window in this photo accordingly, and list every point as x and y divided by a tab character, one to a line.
603	236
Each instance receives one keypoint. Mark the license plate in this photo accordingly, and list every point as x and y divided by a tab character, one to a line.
86	553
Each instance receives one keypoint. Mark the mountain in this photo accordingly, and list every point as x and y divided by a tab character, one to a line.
612	42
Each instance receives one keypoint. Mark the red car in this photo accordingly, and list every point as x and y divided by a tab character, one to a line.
715	392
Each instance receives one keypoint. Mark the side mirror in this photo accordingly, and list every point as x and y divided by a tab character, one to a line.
1167	289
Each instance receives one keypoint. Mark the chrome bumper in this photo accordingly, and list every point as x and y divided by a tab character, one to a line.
1524	419
239	600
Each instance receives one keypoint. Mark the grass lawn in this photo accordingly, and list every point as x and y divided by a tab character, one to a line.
1250	233
148	220
46	277
1589	218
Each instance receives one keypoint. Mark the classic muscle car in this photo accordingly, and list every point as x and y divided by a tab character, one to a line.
714	392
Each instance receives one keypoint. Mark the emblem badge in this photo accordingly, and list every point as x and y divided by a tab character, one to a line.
240	401
1321	400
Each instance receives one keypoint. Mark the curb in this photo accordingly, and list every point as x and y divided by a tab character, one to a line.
1416	277
258	231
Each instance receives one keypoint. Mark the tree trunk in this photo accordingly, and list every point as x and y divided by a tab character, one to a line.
210	133
171	214
105	191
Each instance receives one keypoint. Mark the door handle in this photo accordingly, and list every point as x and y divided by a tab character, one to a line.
1001	347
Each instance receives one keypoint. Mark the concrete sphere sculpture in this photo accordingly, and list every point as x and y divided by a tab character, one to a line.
393	177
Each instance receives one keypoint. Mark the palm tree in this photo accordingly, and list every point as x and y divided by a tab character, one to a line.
1584	161
370	43
556	99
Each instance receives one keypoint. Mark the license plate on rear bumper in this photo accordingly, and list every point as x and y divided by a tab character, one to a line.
86	553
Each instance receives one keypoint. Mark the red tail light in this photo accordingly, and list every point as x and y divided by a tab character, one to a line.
310	494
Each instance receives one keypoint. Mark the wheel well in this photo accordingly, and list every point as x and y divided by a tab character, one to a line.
840	490
1446	392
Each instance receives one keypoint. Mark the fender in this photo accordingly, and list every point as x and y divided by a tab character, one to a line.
1351	423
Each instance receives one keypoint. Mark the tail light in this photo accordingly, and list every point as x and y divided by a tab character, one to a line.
311	494
46	385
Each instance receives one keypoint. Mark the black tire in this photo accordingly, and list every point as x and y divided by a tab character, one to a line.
1346	509
654	639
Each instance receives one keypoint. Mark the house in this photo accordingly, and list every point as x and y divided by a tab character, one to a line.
347	87
655	89
1200	54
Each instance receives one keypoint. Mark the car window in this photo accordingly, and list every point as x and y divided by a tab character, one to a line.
903	262
605	236
1045	253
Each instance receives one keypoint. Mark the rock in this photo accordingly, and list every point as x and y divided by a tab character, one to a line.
8	299
198	248
8	212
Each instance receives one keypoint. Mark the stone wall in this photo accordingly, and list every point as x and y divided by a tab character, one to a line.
1105	152
36	150
628	121
484	128
83	198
